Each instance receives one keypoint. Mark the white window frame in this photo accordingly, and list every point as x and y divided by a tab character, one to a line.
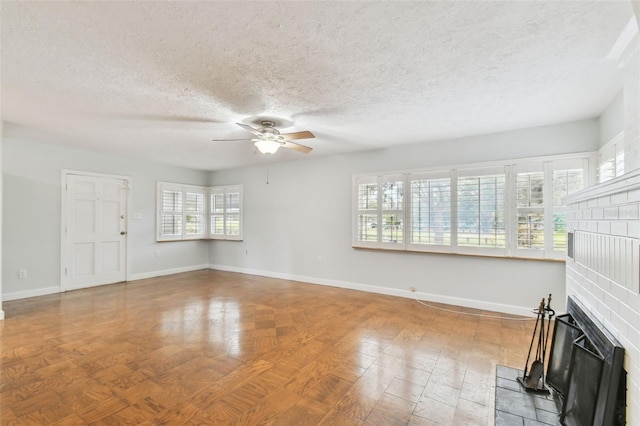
431	247
225	191
510	170
479	250
611	157
205	213
379	181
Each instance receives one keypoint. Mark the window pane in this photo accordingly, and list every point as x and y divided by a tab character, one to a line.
217	203
368	196
233	224
217	224
171	224
431	211
531	230
565	182
529	187
367	227
233	202
193	224
619	163
606	169
481	211
392	195
560	231
194	202
172	201
391	228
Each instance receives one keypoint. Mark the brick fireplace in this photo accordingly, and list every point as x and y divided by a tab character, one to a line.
604	270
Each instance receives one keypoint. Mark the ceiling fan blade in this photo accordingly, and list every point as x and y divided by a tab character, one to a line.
297	147
250	129
298	135
231	140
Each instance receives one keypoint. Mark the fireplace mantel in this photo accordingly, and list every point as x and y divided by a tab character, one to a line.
622	184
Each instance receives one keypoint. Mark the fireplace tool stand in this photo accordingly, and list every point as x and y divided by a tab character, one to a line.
533	379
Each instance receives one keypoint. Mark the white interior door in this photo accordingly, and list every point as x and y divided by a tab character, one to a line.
96	231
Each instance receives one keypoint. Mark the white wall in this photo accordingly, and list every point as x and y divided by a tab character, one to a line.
612	119
32	208
1	311
305	213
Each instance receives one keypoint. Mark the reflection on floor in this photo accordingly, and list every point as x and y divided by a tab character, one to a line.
210	347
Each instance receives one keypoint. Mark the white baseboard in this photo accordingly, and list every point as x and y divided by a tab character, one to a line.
1	315
30	293
436	298
161	273
52	290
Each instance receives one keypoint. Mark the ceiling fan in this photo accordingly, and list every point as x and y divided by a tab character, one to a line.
268	139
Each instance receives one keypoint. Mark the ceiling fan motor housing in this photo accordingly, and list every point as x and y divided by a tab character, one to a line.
268	129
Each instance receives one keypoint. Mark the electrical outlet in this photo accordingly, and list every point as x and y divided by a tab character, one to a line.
413	289
157	253
22	273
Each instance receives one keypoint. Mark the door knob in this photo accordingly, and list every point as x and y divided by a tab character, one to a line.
123	233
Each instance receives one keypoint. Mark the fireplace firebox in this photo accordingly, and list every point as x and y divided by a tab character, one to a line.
585	370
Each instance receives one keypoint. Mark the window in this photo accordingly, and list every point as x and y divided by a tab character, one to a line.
182	212
611	159
481	210
170	213
380	212
225	207
194	225
530	210
513	210
430	210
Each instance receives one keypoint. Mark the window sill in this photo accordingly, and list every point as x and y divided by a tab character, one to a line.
538	259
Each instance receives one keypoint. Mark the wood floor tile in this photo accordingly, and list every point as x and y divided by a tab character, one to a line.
210	347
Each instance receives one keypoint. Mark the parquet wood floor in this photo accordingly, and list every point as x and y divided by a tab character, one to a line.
211	347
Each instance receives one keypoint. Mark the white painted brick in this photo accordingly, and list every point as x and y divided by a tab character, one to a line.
611	302
633	229
629	211
611	212
586	214
619	292
604	201
597	214
619	324
592	203
619	198
619	228
635	267
583	205
604	227
630	316
591	226
633	195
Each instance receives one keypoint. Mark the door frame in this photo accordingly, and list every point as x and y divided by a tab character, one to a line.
64	255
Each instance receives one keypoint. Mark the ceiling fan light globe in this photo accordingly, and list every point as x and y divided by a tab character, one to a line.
267	146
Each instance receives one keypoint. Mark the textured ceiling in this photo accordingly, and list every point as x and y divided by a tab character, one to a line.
160	80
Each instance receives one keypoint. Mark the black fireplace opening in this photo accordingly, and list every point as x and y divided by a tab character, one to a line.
585	370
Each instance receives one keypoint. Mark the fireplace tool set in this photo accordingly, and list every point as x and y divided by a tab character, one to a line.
533	379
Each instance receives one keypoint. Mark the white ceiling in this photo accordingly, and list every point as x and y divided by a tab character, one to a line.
160	80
